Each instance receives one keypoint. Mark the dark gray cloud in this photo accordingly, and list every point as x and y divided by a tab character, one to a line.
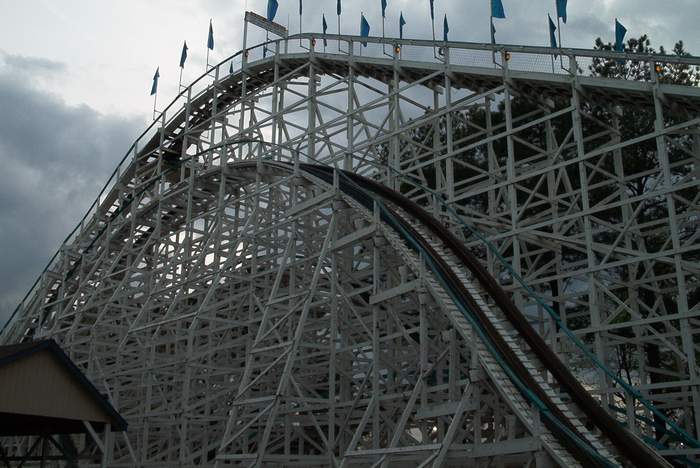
25	65
54	158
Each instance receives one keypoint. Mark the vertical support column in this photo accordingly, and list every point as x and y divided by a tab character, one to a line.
437	164
492	167
108	443
44	450
512	192
244	77
209	159
185	396
349	123
449	163
311	109
453	366
633	268
588	237
423	335
276	117
333	339
293	273
394	125
556	285
376	350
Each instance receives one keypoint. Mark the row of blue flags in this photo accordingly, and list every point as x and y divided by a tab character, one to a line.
210	45
497	11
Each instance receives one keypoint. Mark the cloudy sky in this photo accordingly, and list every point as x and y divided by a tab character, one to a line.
75	77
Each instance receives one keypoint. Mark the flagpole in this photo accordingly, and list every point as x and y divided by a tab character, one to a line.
338	33
155	98
561	58
383	44
493	37
559	30
180	83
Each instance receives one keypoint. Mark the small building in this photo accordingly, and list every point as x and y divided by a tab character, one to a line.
44	399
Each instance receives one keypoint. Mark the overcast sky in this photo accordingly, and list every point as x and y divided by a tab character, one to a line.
75	77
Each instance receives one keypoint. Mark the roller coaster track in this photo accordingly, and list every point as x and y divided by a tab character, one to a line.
455	261
159	254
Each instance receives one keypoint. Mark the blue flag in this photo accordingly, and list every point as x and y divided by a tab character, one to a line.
493	32
154	86
561	10
325	28
552	31
432	9
271	9
497	10
299	7
210	39
364	28
383	8
230	68
445	29
183	55
402	23
620	32
338	8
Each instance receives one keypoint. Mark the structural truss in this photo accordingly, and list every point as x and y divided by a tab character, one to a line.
405	254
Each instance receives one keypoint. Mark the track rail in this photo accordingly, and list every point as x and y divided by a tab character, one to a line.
627	444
